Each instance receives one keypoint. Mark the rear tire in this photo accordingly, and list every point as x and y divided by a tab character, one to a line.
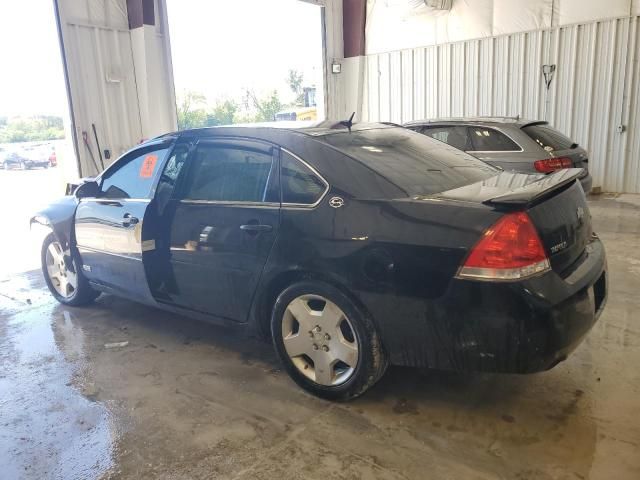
65	282
326	343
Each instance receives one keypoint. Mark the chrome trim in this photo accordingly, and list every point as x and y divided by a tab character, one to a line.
95	250
124	200
232	203
305	205
503	275
494	151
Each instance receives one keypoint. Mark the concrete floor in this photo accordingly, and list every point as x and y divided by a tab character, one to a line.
190	400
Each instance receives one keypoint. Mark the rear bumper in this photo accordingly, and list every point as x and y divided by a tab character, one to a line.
519	327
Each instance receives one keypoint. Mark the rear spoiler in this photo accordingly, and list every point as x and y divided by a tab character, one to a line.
538	190
533	124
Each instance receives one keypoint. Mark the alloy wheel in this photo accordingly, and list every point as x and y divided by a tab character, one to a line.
64	281
320	340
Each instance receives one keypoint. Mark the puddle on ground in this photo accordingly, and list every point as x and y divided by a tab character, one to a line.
48	428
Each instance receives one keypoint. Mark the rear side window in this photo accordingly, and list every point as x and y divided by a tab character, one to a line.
548	138
229	173
411	161
490	140
300	185
455	136
133	175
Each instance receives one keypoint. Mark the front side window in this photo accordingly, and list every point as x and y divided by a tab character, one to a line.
300	185
133	176
229	173
454	136
490	140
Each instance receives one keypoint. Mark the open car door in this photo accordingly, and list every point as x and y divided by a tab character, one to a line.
110	230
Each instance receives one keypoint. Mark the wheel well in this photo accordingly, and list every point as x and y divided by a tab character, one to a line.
284	280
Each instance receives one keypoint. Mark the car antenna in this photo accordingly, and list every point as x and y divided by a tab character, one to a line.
348	123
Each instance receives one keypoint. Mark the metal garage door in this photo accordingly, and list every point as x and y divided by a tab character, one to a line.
119	78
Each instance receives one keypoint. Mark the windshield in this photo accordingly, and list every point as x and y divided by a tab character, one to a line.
414	162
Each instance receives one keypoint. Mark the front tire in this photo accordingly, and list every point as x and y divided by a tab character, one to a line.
65	281
326	343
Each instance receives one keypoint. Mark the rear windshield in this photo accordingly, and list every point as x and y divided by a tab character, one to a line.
548	138
415	163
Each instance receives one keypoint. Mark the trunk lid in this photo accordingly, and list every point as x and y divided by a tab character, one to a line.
555	203
563	221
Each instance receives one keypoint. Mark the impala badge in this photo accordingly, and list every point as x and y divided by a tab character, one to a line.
558	247
336	202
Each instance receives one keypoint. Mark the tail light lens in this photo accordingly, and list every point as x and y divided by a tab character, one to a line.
509	250
549	165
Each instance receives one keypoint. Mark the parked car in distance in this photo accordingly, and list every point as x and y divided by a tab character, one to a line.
352	246
37	156
26	158
12	159
512	144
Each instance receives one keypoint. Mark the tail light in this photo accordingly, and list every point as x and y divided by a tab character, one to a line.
549	165
509	250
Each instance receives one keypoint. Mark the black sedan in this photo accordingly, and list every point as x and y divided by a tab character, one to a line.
353	247
24	161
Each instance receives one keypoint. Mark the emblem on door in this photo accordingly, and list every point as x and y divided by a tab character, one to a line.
336	202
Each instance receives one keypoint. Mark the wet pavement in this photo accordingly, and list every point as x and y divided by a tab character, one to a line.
185	400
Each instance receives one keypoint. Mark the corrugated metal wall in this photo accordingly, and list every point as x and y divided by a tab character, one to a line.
596	88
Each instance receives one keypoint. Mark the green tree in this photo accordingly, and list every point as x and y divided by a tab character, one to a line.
191	110
295	79
25	129
223	113
266	107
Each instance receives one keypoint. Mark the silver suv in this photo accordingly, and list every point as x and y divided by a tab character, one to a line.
510	143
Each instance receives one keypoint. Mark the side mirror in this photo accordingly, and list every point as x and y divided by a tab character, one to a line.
87	189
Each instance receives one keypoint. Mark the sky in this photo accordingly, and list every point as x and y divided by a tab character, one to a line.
31	76
219	47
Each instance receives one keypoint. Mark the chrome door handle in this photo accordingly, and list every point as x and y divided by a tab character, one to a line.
128	219
254	227
111	203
